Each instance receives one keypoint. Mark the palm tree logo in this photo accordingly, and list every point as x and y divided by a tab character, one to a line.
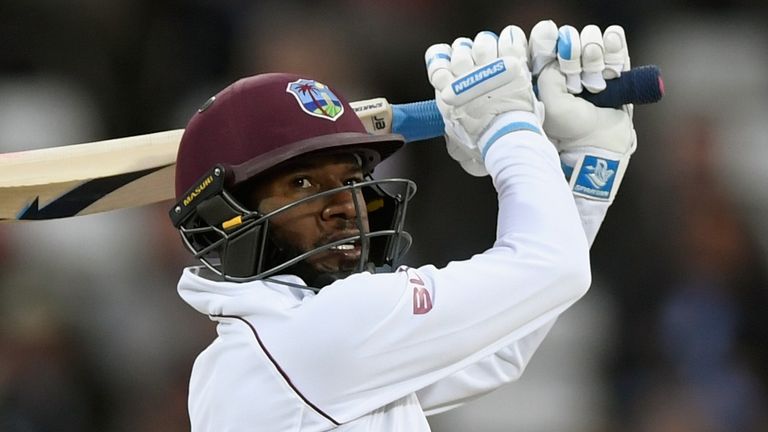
316	99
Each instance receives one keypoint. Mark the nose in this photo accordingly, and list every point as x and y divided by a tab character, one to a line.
342	205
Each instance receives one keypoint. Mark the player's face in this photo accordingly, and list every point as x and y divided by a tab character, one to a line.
316	222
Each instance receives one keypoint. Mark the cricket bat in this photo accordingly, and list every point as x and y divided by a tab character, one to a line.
94	177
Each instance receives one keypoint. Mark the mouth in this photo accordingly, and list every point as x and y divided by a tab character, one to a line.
352	243
351	246
342	257
348	251
346	246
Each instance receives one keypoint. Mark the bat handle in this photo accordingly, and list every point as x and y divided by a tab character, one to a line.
417	121
641	85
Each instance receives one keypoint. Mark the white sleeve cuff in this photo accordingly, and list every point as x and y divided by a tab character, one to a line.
510	122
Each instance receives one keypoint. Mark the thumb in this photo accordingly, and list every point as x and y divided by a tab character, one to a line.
552	86
567	116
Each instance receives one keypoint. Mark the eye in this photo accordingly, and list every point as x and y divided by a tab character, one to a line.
302	183
352	180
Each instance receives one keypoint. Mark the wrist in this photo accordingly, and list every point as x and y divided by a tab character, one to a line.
506	123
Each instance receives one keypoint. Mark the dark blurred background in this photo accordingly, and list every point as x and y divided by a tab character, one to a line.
672	337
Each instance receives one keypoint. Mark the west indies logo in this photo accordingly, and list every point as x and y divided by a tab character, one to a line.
316	99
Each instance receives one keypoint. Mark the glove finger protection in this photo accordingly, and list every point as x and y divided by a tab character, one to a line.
475	96
482	50
616	52
485	48
616	56
594	143
479	95
592	59
569	57
461	59
542	46
438	59
513	43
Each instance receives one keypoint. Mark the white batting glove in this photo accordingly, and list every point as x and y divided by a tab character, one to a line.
594	143
475	82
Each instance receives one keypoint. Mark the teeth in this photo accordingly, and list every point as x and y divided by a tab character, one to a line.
343	247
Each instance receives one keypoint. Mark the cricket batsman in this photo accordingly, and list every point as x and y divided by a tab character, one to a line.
320	326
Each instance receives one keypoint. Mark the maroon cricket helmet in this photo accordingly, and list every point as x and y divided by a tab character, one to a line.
263	120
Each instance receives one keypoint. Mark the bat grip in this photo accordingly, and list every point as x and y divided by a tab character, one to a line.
417	121
641	85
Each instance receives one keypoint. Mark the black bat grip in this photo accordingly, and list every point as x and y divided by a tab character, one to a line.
641	85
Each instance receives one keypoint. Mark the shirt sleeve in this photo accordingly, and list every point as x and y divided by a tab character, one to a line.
507	364
367	340
483	377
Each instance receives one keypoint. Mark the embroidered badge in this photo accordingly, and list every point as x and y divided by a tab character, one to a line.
596	176
316	99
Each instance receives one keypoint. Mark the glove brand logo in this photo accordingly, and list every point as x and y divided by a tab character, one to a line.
596	177
600	174
477	77
422	298
316	99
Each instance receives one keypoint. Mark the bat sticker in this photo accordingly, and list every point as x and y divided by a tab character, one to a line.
78	198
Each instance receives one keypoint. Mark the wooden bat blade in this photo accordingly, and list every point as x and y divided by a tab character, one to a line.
88	178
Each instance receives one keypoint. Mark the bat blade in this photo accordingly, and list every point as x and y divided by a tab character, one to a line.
88	178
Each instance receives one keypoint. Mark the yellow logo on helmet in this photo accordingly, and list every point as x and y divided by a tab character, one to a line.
198	190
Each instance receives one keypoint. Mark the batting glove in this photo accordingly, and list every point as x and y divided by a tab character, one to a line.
475	82
594	143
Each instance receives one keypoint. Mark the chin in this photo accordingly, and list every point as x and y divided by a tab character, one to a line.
321	279
335	264
320	274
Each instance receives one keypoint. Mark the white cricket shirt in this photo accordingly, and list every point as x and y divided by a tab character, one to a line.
378	352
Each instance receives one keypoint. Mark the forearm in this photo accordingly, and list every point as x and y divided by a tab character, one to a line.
485	376
536	208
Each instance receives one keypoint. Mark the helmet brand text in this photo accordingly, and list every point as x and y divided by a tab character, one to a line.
198	190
